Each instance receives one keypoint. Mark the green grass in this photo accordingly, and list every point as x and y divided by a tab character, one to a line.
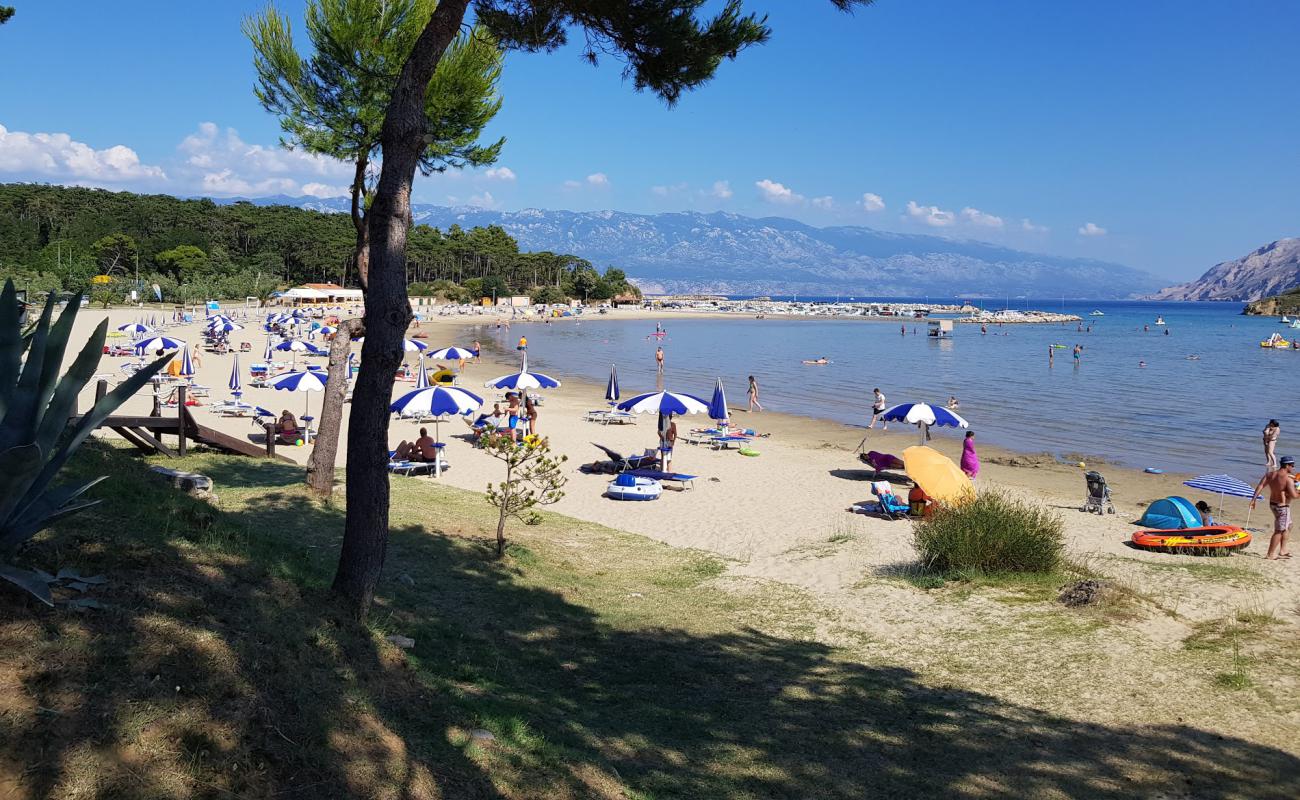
993	534
602	664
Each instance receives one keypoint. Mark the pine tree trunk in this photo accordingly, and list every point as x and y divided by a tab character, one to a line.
388	312
324	454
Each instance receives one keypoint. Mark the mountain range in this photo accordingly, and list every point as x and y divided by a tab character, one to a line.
727	253
1270	270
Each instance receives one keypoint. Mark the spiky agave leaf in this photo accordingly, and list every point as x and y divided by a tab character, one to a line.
79	374
24	412
19	468
47	508
33	582
11	345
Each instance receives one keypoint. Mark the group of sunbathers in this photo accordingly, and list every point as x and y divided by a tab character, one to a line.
423	449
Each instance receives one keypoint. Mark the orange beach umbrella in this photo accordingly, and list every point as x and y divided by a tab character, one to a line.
937	475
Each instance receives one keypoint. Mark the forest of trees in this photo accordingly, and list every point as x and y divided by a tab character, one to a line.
56	238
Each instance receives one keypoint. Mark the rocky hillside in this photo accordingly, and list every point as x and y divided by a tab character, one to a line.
1270	270
1285	303
732	254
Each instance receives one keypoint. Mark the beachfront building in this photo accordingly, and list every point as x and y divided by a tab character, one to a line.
320	294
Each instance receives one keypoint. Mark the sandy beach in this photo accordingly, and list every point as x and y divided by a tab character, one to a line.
760	513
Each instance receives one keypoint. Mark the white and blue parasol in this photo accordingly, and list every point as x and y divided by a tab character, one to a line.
1223	486
718	405
158	343
297	346
234	383
522	380
916	413
422	375
306	381
664	403
611	387
437	401
187	366
224	327
452	354
135	328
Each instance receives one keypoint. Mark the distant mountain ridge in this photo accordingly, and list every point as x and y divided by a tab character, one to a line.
1270	270
733	254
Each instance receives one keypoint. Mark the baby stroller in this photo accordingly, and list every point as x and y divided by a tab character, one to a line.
1098	499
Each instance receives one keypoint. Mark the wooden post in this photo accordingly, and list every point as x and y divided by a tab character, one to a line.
270	439
180	420
101	389
157	401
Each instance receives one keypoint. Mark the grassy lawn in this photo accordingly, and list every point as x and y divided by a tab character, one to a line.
587	663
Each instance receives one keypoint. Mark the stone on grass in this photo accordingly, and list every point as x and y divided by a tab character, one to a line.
1082	593
404	642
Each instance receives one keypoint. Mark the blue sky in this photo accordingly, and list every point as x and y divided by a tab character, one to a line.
1165	135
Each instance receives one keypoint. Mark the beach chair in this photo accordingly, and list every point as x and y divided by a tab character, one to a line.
1097	501
888	504
620	463
686	481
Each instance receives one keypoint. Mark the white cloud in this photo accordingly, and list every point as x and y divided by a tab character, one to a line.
825	203
774	192
572	184
1092	229
872	202
1029	227
500	174
721	190
933	216
665	191
485	200
324	190
976	217
58	156
598	179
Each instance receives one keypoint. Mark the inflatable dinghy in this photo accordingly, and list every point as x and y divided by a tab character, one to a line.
1214	540
630	487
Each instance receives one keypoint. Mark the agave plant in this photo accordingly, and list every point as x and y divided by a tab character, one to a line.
37	433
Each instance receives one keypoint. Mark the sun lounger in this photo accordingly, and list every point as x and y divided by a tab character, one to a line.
687	481
620	463
728	442
888	504
610	417
409	468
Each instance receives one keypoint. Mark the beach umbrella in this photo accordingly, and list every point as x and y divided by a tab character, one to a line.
438	402
664	403
937	475
217	317
224	327
1223	486
268	354
522	380
328	329
924	414
135	328
611	388
452	354
305	381
297	346
718	405
234	383
187	366
158	343
422	375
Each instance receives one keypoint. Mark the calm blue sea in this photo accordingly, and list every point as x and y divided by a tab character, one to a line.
1176	414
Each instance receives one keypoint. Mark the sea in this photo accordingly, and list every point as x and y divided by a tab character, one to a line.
1189	396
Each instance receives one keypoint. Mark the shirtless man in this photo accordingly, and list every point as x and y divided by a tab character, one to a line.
1281	491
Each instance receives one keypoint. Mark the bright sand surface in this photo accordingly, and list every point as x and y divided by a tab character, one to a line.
782	518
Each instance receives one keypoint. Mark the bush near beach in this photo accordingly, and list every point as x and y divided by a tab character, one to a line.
993	533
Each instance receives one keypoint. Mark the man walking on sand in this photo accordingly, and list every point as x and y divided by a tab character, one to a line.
1281	491
877	408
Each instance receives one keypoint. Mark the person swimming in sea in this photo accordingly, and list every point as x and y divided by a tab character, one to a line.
821	360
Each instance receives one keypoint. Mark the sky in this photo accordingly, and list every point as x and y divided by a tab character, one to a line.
1159	134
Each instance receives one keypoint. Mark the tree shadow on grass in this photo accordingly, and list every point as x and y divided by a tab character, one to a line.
217	671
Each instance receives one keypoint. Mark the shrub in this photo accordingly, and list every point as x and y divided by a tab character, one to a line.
993	533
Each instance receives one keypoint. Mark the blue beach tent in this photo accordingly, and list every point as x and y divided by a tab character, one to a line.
1171	514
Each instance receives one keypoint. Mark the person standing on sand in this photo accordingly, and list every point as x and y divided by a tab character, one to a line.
1271	432
877	408
753	394
1281	491
970	460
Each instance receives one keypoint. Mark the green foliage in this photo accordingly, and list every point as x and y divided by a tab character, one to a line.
51	231
993	533
533	478
548	295
36	437
6	13
114	253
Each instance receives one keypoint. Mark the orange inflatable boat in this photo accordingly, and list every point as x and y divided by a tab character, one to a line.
1214	540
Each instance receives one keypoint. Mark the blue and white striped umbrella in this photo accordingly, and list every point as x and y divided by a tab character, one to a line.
523	380
914	413
299	346
306	381
718	405
158	343
136	328
412	346
452	353
665	403
422	375
611	388
1222	485
224	327
437	401
187	366
328	329
269	353
211	318
234	382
